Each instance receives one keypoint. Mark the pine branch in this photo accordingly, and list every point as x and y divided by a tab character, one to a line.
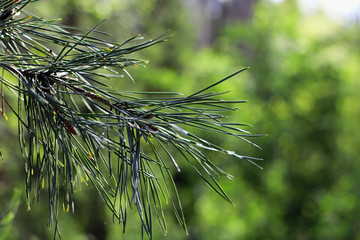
74	128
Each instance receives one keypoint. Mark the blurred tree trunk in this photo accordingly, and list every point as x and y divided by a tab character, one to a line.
211	16
239	10
72	13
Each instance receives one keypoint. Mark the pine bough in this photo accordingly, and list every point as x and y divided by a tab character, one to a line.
75	128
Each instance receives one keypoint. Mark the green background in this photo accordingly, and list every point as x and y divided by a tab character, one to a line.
303	91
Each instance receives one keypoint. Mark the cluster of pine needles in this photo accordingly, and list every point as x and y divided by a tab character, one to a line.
73	127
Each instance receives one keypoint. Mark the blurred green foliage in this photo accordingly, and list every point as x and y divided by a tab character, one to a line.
304	93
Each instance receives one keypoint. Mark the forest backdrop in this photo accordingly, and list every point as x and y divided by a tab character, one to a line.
303	91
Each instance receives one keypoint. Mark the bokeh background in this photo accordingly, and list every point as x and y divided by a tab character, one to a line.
304	92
